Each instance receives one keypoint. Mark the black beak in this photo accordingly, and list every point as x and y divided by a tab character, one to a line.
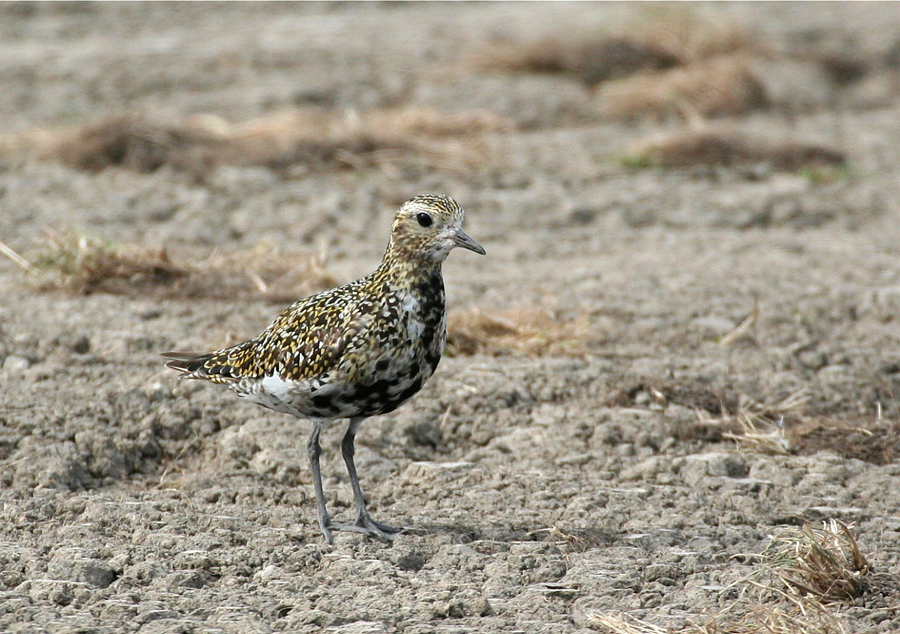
463	240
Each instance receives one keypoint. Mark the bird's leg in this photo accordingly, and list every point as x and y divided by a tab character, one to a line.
364	522
314	450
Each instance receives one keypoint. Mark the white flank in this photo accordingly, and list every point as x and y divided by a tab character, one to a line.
275	386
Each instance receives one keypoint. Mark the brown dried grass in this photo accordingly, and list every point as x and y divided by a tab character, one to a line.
689	33
621	623
824	563
591	61
572	541
801	575
759	427
656	38
724	148
719	86
877	442
306	139
520	332
82	265
757	618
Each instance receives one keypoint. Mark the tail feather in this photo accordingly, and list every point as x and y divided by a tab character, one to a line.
210	366
191	363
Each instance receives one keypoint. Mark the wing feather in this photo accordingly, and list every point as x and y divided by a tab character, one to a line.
308	339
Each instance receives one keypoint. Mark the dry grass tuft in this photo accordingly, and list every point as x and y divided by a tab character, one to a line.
744	330
619	623
573	541
876	442
434	124
295	139
656	39
759	427
721	148
761	434
592	62
264	270
743	617
716	87
813	569
136	145
757	618
522	332
689	34
791	618
823	563
82	265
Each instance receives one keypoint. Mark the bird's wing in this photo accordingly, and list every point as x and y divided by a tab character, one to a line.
306	340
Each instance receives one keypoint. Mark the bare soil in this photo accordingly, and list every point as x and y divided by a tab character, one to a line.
540	484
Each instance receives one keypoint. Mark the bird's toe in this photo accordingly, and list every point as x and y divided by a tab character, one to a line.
365	525
384	528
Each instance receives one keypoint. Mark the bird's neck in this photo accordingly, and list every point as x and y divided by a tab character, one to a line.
410	265
400	274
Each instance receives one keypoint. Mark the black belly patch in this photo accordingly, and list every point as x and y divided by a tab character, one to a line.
382	396
323	402
410	391
375	390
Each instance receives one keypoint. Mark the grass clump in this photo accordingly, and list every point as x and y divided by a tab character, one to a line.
663	61
794	587
521	332
758	618
655	39
592	60
572	541
690	34
715	87
84	264
81	264
711	148
620	623
824	562
135	144
288	141
759	427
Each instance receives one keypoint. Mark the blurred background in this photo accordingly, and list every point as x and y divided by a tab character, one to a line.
541	112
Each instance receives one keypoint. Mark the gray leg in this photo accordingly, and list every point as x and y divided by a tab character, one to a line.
364	522
314	450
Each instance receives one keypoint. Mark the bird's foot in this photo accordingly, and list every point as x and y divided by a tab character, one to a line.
326	526
384	528
365	525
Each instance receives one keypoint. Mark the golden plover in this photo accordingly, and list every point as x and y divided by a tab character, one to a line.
354	351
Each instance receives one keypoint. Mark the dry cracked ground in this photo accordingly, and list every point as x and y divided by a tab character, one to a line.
669	402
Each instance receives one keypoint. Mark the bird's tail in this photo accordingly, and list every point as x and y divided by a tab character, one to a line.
211	366
192	364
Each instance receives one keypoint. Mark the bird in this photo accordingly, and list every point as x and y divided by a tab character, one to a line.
354	351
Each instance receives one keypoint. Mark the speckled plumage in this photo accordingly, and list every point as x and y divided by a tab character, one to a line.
354	351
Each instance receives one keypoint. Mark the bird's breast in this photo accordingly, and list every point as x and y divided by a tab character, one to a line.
422	318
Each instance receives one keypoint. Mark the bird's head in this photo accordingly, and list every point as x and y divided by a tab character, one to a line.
428	227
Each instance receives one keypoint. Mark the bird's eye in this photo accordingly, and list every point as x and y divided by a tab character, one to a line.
424	219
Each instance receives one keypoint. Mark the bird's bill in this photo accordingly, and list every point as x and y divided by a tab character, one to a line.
463	240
